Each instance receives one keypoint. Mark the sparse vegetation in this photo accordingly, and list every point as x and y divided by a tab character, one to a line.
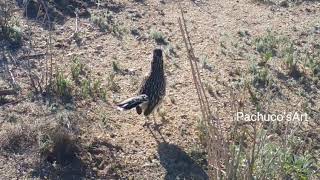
158	37
103	21
106	23
77	68
64	65
9	26
63	87
81	82
113	86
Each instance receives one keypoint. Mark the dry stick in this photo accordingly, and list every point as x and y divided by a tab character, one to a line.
200	90
7	92
49	48
199	84
13	59
33	84
252	158
192	70
231	165
217	130
31	56
77	18
13	81
190	57
197	80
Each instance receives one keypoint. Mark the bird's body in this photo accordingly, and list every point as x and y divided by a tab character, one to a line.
152	90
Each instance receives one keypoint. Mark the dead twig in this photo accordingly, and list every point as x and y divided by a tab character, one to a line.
218	157
7	92
31	56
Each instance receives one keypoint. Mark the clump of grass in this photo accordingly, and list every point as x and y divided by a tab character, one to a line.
267	45
58	146
106	23
102	21
158	37
77	68
118	31
115	67
261	76
202	132
112	85
9	27
273	159
206	65
63	87
200	157
313	62
77	38
92	89
210	89
66	89
270	46
85	88
17	138
290	60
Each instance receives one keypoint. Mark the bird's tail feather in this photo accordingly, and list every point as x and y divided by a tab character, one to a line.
132	102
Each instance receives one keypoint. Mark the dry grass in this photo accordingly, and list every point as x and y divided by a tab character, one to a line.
252	150
57	127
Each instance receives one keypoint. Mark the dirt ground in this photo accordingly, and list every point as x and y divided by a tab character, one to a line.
109	144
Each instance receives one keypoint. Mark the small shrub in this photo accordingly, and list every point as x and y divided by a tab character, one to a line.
290	60
202	132
77	68
17	138
261	76
158	37
313	62
102	21
63	87
10	29
58	146
112	85
267	44
85	88
272	159
118	31
206	64
115	67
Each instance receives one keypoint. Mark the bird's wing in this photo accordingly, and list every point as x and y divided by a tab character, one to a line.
132	102
143	85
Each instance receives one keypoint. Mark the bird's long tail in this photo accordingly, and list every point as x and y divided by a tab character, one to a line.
132	102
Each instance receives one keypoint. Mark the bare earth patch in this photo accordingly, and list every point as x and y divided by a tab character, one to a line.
98	54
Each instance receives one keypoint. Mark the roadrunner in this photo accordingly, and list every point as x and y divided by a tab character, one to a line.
152	90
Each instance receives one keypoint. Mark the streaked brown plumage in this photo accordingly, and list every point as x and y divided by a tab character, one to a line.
152	90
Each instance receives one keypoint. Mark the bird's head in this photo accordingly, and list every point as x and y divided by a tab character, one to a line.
157	54
157	60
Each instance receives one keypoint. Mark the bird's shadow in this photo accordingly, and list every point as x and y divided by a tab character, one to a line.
178	164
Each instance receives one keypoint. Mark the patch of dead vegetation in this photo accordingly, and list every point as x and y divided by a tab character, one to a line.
17	138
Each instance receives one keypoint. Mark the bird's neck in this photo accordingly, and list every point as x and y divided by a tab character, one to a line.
157	69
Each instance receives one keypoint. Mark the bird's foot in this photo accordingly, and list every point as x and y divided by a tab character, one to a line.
146	124
157	127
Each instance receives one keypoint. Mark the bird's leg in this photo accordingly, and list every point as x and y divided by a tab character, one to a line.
146	123
156	125
154	119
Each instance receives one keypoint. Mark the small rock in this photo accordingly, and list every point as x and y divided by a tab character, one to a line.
112	135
